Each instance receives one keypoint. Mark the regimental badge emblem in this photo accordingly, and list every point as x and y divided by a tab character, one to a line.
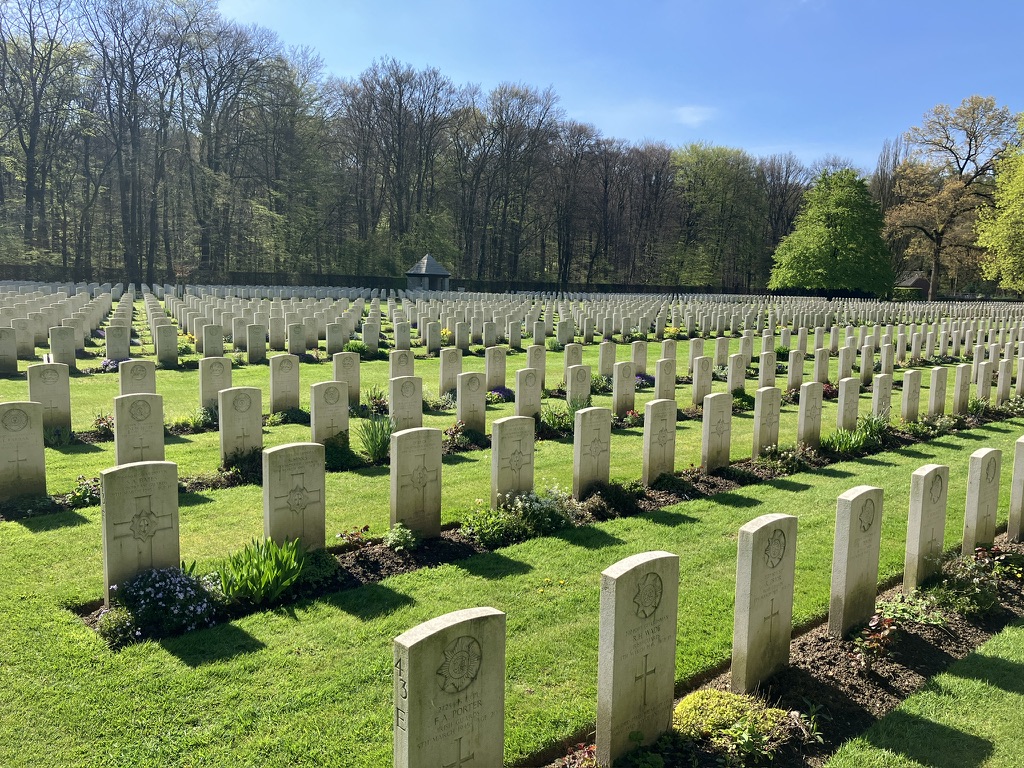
408	388
242	402
15	420
460	664
990	469
648	595
935	492
332	395
140	410
867	515
775	549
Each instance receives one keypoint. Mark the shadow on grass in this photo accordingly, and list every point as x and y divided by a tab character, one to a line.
171	439
193	499
831	472
43	523
999	673
493	565
929	743
220	643
73	449
458	458
373	471
914	454
669	519
588	537
738	500
873	462
785	484
371	601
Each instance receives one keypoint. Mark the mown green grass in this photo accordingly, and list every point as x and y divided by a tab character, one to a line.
310	685
967	716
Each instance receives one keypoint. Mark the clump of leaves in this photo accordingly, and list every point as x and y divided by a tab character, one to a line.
555	422
644	381
969	587
200	420
85	493
781	353
57	437
775	461
875	639
338	454
873	434
600	385
375	436
519	517
552	345
500	395
158	603
287	416
439	404
458	439
632	418
401	539
377	401
741	728
260	573
357	538
103	426
359	348
247	464
577	403
742	400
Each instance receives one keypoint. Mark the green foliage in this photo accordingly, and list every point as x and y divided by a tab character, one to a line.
517	518
600	385
86	493
837	242
56	437
338	454
1001	228
401	539
576	404
248	465
873	434
737	725
103	426
359	348
260	573
556	420
162	603
552	345
375	435
116	626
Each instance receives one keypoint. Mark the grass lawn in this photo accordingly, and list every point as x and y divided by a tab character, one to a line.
967	717
310	685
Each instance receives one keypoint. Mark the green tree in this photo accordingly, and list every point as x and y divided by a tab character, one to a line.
947	179
1001	228
837	243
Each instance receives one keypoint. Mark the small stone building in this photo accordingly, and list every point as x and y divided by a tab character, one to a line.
427	275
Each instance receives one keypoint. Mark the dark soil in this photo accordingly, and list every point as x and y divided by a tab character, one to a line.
829	675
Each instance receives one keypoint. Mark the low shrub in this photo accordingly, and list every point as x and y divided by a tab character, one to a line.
741	727
248	465
160	603
600	385
644	381
520	517
57	437
401	539
440	404
85	493
338	454
375	436
500	395
458	439
260	573
554	422
552	345
103	426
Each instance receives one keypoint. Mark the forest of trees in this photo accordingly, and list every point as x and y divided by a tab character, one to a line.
161	140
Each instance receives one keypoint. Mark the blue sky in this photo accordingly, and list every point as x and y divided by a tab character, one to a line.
812	77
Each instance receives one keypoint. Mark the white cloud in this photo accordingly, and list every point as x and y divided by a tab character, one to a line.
694	115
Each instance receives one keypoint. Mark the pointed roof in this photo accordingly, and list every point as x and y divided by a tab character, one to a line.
428	266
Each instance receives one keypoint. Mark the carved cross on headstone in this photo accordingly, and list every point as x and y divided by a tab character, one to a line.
297	497
770	618
418	478
241	439
141	446
142	527
17	461
460	759
518	458
643	676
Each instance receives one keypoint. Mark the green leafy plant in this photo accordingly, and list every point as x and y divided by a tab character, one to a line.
260	573
577	403
552	345
338	454
555	422
875	639
375	436
357	538
103	426
741	728
85	493
163	602
600	385
56	437
359	348
399	538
